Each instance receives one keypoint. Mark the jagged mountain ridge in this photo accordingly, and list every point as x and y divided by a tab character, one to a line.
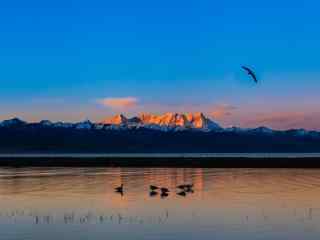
193	121
167	120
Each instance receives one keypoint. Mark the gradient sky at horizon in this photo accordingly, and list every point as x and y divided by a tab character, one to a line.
71	60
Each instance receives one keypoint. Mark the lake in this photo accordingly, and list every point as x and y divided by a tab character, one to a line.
80	203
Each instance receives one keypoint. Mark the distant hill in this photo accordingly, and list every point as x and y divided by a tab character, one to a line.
171	133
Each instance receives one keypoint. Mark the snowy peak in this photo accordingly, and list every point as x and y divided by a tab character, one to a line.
134	120
46	123
262	129
12	122
173	120
167	119
199	120
84	125
116	120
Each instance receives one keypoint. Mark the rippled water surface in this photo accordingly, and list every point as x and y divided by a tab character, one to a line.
80	203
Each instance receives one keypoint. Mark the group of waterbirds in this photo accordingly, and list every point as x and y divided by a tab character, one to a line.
164	192
184	189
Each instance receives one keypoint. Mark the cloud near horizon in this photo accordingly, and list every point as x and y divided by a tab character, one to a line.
222	110
119	103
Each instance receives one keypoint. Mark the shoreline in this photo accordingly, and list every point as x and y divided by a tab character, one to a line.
247	160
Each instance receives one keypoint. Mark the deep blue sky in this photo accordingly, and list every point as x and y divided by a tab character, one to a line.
60	58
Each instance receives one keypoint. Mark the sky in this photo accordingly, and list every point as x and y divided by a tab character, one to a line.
73	60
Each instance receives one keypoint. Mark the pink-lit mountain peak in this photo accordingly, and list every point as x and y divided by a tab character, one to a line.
116	120
190	120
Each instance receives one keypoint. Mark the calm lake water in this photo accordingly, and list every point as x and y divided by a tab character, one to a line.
80	203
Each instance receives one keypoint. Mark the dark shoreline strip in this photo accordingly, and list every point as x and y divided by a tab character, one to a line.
186	162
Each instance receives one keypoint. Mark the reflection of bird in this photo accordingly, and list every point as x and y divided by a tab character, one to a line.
164	190
186	187
251	73
182	193
153	193
152	187
164	194
119	189
182	186
189	190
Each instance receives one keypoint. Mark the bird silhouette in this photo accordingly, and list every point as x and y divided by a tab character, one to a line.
119	189
186	187
251	73
182	186
189	188
153	188
164	190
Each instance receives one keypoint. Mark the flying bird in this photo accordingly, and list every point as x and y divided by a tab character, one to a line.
251	73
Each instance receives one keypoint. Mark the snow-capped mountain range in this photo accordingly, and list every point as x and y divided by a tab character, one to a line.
166	122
